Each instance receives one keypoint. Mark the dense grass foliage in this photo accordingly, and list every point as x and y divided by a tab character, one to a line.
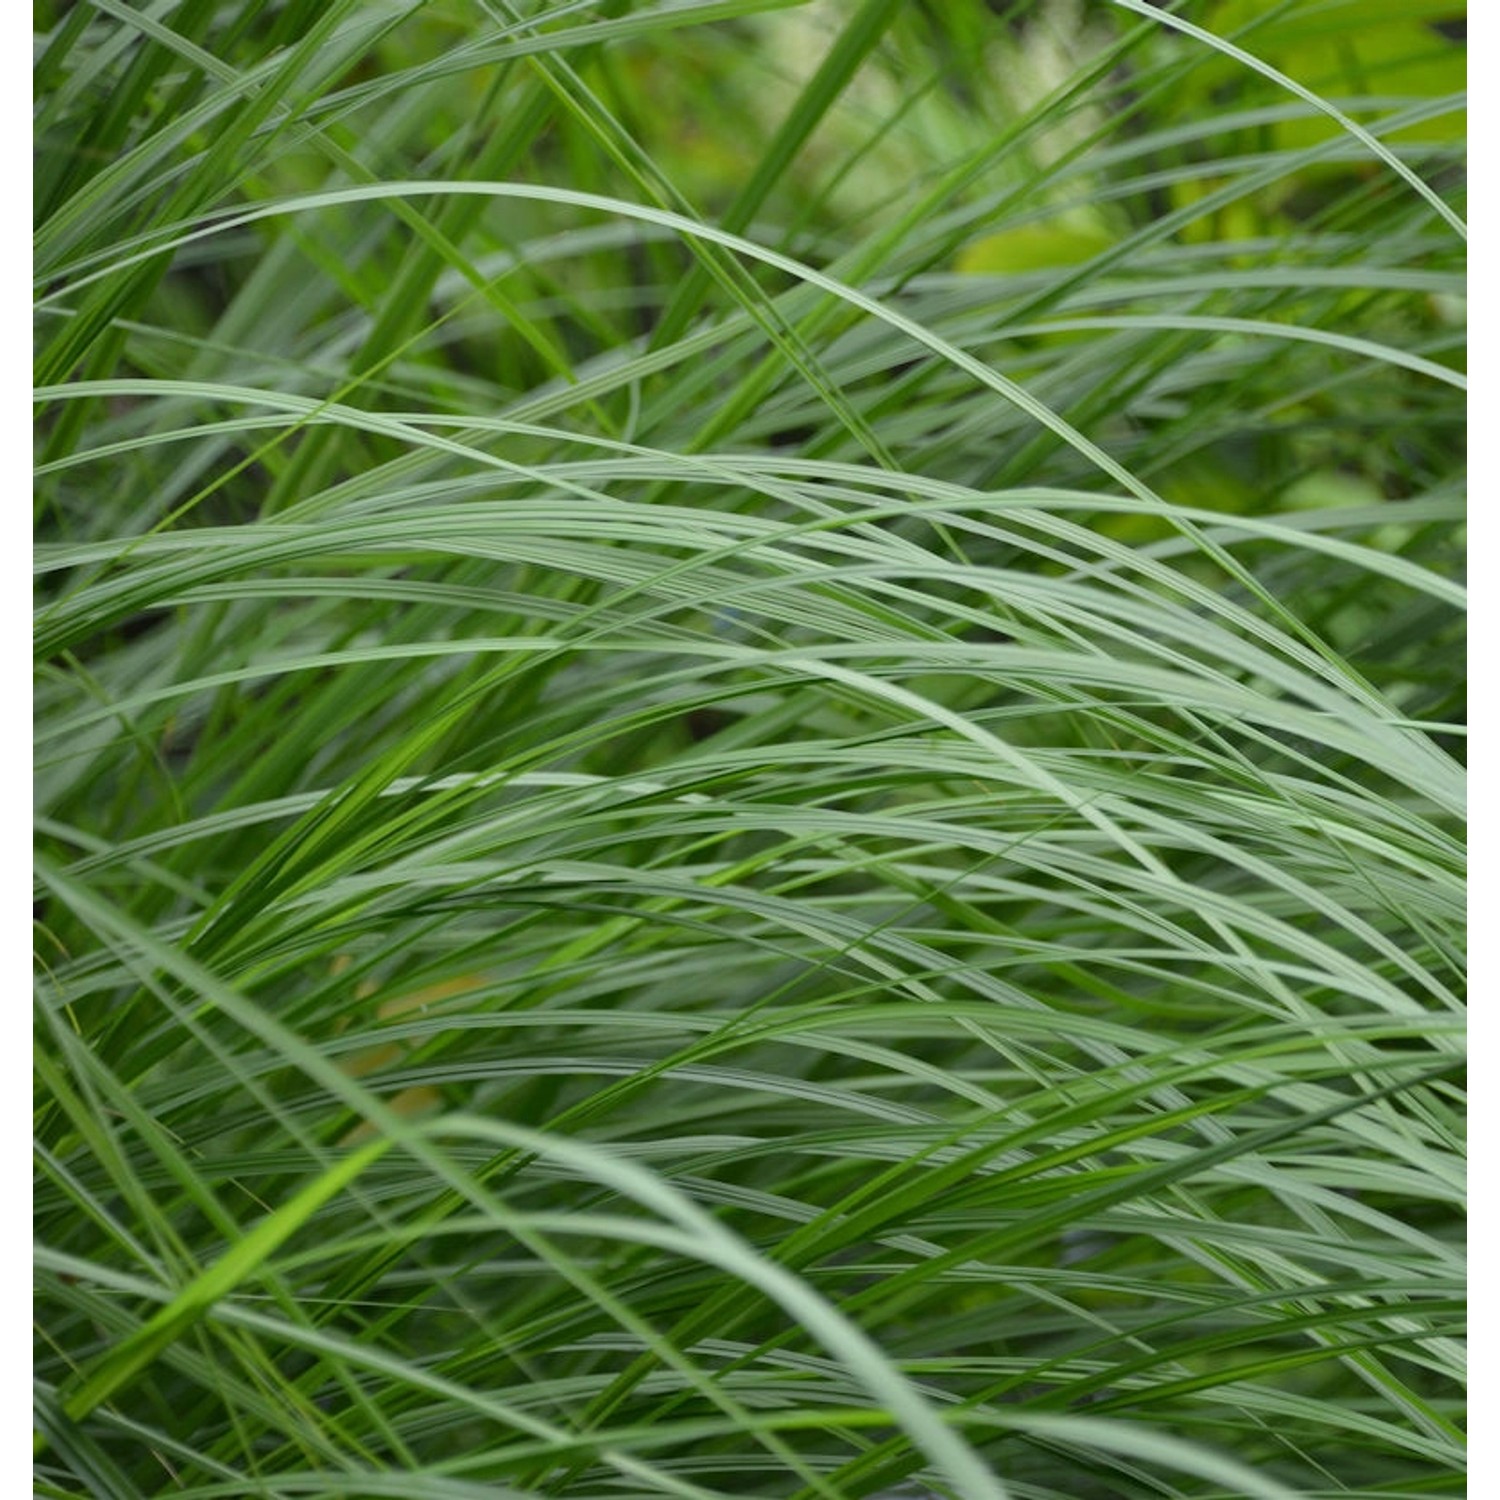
749	771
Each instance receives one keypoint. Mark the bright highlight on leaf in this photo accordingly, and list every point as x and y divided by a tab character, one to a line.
197	1300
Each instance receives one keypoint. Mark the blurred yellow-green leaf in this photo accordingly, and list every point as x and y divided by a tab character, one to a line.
1033	247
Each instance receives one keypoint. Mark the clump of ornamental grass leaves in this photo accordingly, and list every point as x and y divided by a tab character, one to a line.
748	751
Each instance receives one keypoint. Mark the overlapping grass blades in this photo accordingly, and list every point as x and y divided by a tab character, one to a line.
749	754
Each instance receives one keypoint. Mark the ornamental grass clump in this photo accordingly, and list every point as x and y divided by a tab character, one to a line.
749	762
